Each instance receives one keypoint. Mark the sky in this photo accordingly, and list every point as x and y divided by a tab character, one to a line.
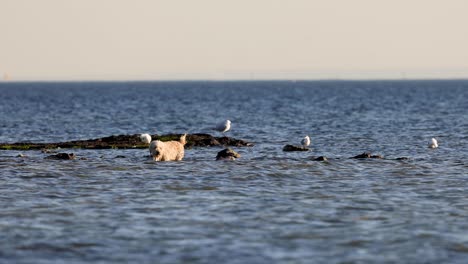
236	39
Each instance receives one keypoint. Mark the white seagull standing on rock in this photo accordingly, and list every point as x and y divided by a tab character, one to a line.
305	141
223	127
433	143
145	138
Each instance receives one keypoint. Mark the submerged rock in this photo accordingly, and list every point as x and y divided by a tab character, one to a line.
227	154
295	148
367	155
321	158
364	155
402	158
62	156
48	151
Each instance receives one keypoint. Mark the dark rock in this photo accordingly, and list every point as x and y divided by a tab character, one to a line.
367	155
295	148
321	158
128	141
364	155
227	154
227	141
402	158
62	156
204	140
119	157
201	140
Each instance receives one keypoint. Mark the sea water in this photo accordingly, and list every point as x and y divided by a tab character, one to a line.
269	206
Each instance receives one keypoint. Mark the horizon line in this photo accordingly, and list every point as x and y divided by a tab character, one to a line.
234	80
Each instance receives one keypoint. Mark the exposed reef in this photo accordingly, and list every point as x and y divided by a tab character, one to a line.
295	148
128	141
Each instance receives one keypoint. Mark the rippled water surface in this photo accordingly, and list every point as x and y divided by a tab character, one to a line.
117	206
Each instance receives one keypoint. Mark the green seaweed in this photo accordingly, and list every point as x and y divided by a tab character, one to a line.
168	137
15	147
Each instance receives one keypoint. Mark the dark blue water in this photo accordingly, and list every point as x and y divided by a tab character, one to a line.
267	207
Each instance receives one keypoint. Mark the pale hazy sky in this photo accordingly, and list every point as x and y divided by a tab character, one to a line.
236	39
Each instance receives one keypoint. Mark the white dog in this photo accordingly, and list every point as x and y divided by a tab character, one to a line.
166	151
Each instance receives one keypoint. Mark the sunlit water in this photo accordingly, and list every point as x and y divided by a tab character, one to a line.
117	206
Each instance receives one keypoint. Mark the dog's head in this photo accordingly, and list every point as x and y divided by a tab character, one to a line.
155	150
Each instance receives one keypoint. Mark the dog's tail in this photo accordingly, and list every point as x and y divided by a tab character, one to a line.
183	140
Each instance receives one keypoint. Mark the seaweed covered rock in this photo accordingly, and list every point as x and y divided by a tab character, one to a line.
62	156
128	141
201	140
227	154
367	155
227	141
295	148
205	140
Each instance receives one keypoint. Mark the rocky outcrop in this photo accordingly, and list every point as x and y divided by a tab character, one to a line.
62	156
227	154
129	141
295	148
206	140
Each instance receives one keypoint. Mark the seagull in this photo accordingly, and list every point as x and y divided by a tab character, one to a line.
223	127
305	141
433	143
145	138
